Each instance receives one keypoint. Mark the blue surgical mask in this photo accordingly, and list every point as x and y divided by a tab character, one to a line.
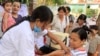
37	29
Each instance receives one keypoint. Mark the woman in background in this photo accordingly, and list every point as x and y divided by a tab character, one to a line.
81	21
60	21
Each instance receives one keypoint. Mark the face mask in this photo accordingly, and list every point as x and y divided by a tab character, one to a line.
37	29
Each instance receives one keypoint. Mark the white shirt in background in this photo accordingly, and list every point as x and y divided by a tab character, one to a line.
58	25
24	10
18	41
91	22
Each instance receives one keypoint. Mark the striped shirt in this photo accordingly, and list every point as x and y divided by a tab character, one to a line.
79	52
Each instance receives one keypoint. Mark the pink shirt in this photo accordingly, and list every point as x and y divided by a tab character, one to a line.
10	22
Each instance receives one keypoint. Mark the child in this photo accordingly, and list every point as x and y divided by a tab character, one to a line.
81	21
94	41
7	20
15	9
77	38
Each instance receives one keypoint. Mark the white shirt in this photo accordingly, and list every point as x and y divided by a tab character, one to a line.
24	10
18	41
79	52
39	38
58	25
91	21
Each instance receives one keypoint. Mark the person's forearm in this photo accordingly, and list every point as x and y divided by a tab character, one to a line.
52	36
66	29
47	55
97	50
4	27
95	54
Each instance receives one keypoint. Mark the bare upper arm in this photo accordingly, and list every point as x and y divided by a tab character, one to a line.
5	17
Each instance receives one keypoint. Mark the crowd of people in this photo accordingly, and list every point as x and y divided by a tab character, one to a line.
24	36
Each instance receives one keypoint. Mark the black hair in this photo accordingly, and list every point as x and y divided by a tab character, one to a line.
95	27
5	2
62	8
83	35
43	13
82	17
68	8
